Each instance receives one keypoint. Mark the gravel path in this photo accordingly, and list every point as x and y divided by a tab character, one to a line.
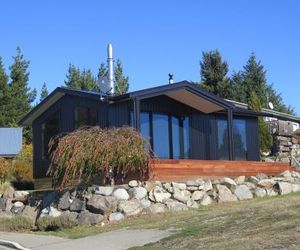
114	240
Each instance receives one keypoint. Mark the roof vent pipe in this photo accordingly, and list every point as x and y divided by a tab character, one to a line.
171	78
110	65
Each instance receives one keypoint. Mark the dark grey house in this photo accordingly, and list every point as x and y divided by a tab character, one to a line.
179	120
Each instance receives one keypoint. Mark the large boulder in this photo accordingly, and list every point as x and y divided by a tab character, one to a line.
21	196
3	202
158	194
50	211
77	205
145	203
87	218
182	195
130	207
173	205
206	186
206	200
266	183
102	204
137	192
198	195
133	183
121	194
180	186
64	201
104	190
116	216
224	194
30	212
17	207
9	193
260	192
192	204
156	208
149	185
195	183
285	188
240	180
296	187
242	192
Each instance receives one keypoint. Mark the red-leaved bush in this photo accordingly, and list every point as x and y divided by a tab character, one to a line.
88	152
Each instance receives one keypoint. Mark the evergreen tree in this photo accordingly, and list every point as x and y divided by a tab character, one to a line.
213	72
102	72
265	138
73	77
21	95
4	96
44	92
122	82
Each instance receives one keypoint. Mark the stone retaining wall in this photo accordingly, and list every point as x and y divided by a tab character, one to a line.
106	204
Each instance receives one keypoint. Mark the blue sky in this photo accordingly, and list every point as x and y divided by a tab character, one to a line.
153	38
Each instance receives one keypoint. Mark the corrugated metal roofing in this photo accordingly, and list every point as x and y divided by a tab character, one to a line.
10	141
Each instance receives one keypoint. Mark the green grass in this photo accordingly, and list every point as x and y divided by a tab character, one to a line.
264	223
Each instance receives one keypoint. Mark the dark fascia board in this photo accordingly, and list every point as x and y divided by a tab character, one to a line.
58	93
160	90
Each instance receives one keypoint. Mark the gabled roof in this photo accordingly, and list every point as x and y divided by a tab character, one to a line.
10	141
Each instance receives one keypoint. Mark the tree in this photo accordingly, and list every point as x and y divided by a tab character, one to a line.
102	72
265	138
213	72
44	92
4	95
81	79
122	82
21	95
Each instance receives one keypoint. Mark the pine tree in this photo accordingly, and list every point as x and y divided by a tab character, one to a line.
265	138
213	72
122	82
73	77
102	72
21	95
4	96
44	92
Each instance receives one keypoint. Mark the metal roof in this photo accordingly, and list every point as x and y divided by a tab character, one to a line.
10	141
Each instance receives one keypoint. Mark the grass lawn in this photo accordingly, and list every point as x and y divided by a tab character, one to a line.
257	224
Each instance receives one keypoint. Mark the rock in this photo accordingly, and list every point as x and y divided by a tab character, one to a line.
168	187
3	204
253	179
180	186
261	176
228	182
173	205
130	207
194	183
242	192
133	183
87	218
206	200
64	201
284	188
9	205
266	183
8	193
121	194
158	194
116	216
295	175
21	196
286	174
157	208
102	204
296	187
260	192
192	188
285	159
77	205
72	215
30	212
207	186
53	212
149	185
192	204
182	195
17	207
250	185
271	192
137	192
225	194
104	190
240	180
198	195
145	203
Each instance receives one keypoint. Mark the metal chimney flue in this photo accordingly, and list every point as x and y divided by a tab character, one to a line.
110	65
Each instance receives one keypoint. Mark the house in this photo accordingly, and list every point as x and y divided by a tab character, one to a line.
10	142
180	121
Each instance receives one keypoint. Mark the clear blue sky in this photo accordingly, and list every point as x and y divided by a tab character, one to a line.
153	38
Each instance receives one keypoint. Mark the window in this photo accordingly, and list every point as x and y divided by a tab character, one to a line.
186	138
176	137
50	128
222	139
85	116
239	139
161	143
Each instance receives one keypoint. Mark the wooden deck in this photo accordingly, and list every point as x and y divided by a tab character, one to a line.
168	170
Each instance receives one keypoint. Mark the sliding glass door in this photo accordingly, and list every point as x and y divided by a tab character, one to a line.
161	141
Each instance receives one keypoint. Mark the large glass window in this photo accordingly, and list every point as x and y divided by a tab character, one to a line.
186	138
239	139
161	143
85	116
222	133
50	128
176	137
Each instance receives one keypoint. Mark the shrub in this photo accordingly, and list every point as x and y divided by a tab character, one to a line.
16	223
55	223
84	153
4	170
